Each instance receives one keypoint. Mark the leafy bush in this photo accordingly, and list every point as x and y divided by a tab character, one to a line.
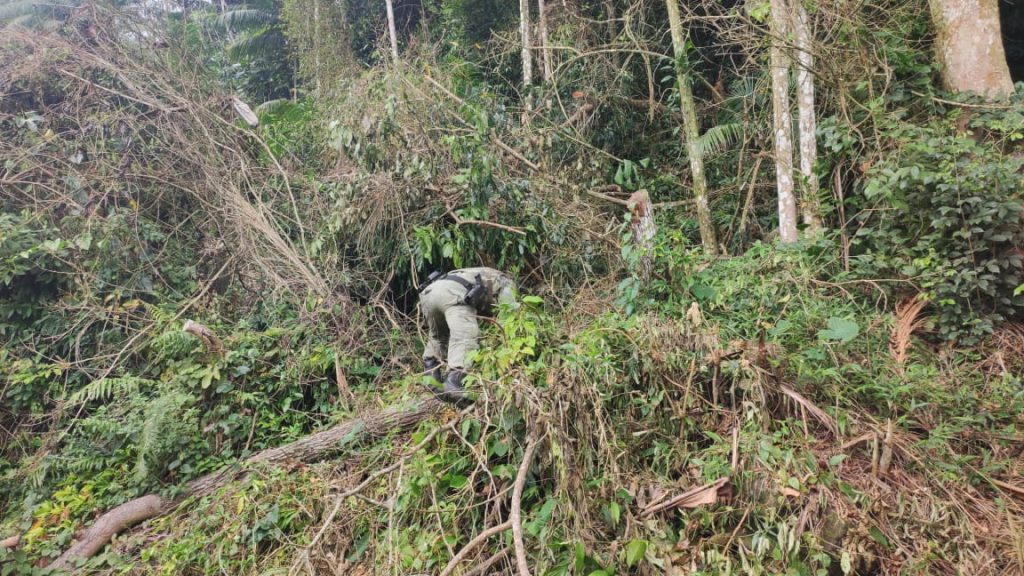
29	269
947	216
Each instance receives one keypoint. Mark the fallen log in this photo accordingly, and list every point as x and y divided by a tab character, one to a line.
309	449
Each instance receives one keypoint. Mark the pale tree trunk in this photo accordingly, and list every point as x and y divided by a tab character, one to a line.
524	36
690	133
782	123
970	47
316	44
391	32
805	105
613	33
545	49
644	229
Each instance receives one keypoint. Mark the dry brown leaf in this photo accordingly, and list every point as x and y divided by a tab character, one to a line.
700	496
908	321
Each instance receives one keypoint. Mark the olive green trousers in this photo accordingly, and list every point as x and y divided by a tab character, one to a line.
452	328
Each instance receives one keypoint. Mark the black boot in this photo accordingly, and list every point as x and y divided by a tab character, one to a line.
454	393
432	368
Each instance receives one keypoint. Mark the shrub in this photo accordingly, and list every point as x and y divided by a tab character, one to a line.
948	217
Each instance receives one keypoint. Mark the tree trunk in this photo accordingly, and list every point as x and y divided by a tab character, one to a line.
545	50
613	33
690	132
391	31
311	448
782	123
969	44
644	229
317	68
810	204
524	36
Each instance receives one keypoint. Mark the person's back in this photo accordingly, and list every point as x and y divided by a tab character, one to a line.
499	287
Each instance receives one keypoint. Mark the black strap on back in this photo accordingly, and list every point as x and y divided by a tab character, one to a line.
465	283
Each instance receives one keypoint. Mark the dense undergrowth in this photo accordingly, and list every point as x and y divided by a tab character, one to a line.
852	403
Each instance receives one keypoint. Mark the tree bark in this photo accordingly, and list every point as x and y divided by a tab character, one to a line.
708	237
644	229
317	68
311	448
969	44
524	36
782	123
811	205
545	49
391	31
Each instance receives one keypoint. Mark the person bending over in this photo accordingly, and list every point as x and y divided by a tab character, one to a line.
451	305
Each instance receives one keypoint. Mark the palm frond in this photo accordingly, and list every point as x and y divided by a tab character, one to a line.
262	42
271	106
718	138
245	18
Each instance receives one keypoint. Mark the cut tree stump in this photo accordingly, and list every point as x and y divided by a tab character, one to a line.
309	449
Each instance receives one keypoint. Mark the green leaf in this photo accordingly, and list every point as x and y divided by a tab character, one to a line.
836	460
581	556
879	537
614	513
635	552
839	329
846	563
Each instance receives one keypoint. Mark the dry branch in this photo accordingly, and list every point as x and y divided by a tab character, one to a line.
480	539
210	340
515	513
311	448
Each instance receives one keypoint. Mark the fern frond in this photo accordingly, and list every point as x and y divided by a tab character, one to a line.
108	388
165	424
718	138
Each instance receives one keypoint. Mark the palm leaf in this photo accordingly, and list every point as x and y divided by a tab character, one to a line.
718	138
271	106
263	42
245	18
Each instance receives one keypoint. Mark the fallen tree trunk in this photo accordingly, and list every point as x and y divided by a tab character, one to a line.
309	449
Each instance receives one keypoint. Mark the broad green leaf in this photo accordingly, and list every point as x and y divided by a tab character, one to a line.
635	552
839	329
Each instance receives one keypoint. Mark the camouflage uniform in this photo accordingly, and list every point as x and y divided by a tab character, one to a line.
451	323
